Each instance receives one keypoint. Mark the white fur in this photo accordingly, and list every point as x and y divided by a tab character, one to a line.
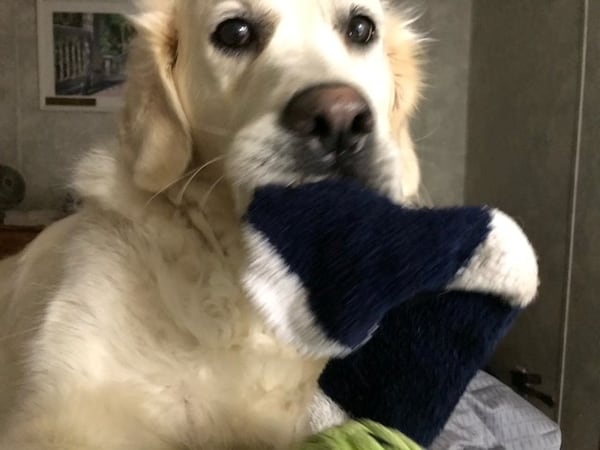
325	413
126	327
505	264
145	326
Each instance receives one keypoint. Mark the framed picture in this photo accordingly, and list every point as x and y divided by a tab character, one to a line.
83	47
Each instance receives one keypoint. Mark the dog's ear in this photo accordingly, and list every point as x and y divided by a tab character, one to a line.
404	53
155	131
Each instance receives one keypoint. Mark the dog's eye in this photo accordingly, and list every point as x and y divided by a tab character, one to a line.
234	34
361	30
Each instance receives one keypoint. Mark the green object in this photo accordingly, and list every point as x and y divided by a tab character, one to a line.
364	435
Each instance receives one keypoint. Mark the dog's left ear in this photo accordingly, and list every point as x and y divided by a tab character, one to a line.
155	132
404	53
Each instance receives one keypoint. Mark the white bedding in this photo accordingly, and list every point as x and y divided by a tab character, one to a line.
490	416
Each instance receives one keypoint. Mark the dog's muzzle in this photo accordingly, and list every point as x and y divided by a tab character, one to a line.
332	126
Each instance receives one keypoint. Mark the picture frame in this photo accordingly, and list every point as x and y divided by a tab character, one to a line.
83	47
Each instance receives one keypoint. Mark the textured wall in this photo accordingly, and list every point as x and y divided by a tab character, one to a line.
580	416
440	129
522	129
533	151
43	145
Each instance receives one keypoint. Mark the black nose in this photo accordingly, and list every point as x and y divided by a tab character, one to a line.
336	116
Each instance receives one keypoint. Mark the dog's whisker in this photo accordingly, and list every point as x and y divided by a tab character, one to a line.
194	175
21	333
216	131
171	184
426	135
424	196
211	190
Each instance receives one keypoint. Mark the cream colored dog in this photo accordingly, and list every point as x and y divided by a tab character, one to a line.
124	326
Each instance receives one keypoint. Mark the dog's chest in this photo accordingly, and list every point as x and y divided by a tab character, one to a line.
214	376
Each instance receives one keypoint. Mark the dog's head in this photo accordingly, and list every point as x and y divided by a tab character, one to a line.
280	91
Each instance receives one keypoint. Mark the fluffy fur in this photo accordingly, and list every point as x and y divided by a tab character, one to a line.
125	326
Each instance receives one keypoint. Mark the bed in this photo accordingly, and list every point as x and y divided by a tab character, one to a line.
490	416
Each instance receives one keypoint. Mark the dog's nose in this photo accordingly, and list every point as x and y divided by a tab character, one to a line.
337	116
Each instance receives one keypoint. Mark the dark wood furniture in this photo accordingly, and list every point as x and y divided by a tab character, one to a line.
13	239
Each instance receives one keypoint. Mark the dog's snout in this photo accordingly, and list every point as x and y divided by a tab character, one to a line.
337	116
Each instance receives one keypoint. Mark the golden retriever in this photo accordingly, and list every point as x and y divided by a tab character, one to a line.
124	326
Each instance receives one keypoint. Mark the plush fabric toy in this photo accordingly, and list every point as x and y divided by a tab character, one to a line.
365	435
408	303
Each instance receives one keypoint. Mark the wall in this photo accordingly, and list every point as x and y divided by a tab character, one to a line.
580	406
440	128
44	145
533	151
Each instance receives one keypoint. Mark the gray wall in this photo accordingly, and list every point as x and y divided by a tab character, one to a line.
44	145
580	407
440	128
533	150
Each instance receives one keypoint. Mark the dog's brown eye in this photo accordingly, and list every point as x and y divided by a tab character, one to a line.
361	30
234	34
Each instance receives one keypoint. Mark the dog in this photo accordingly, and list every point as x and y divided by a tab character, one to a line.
125	326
